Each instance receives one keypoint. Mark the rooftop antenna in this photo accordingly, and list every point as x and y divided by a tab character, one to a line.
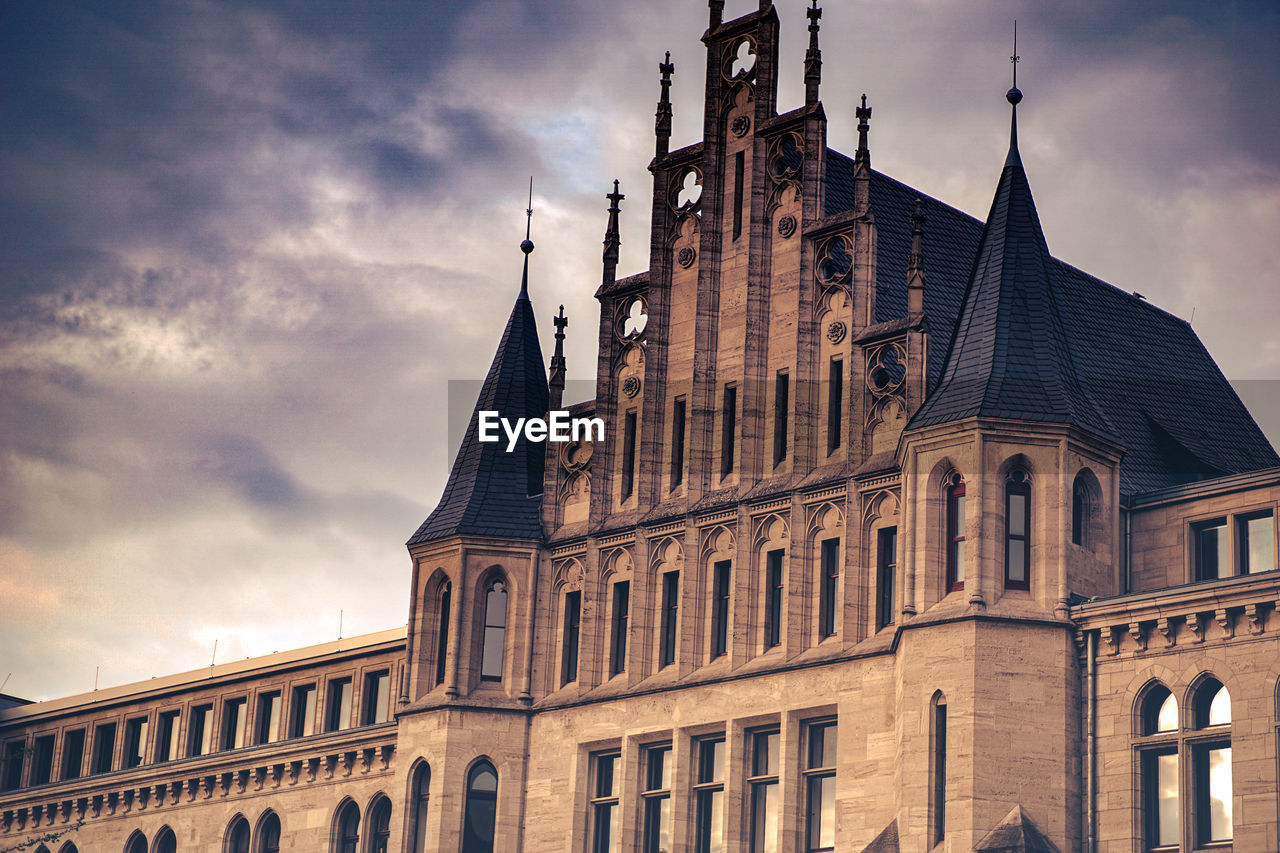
95	678
213	659
340	614
6	681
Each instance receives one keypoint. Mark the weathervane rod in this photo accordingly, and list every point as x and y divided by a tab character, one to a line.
1014	58
528	225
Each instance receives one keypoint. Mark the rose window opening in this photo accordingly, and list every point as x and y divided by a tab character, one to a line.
743	59
836	262
635	318
787	157
690	190
887	370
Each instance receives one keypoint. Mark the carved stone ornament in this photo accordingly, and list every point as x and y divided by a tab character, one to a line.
631	386
740	125
836	331
686	256
787	225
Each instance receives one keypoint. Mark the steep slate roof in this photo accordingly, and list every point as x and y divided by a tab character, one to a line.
1009	356
1164	399
488	489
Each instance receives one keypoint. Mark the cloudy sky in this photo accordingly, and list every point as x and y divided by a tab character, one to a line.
244	246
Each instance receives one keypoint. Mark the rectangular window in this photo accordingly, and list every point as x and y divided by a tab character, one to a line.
820	787
572	625
677	442
629	455
720	609
938	767
442	638
14	752
233	723
1017	543
268	717
621	622
167	736
104	747
670	614
135	742
656	797
377	698
604	804
781	402
42	761
1211	549
303	711
828	605
709	796
73	754
739	175
763	785
338	710
773	598
728	430
886	573
200	735
1160	797
1257	537
835	404
1211	766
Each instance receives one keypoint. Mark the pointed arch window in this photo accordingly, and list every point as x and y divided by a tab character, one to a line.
481	809
238	836
495	630
137	843
269	834
442	629
1017	531
166	842
955	534
1080	510
380	826
347	839
419	802
1211	766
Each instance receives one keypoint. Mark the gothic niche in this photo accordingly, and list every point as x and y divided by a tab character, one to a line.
834	268
740	61
886	376
631	319
575	486
686	191
684	241
630	374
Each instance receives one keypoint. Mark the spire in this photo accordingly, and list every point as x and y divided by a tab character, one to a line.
862	161
915	264
611	238
863	113
556	382
526	245
1009	355
662	125
812	57
492	492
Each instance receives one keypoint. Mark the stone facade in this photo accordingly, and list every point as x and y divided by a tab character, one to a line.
875	555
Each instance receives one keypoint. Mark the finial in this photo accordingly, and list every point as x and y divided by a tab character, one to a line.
611	236
1014	95
915	264
555	381
812	57
662	124
526	245
717	13
863	114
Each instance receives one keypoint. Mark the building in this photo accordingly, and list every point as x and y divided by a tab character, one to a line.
903	536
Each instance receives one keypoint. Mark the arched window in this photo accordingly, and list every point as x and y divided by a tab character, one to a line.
166	842
481	809
1017	532
347	837
418	807
379	832
69	847
1080	510
955	534
238	836
1211	765
137	843
269	834
442	638
1159	712
495	630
